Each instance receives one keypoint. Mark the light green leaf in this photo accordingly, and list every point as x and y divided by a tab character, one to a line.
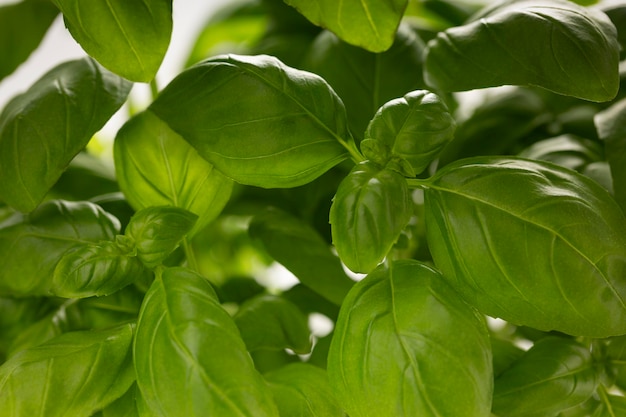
129	37
74	374
405	344
189	356
554	44
256	120
611	125
156	167
530	242
370	24
42	129
125	406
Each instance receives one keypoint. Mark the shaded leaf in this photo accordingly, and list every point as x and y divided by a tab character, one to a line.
611	125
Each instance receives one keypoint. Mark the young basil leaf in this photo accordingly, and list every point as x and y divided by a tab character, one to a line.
128	37
611	125
302	390
407	345
22	27
370	209
42	129
530	242
256	120
272	322
299	247
554	44
157	231
187	180
189	356
369	24
32	244
75	374
415	128
555	374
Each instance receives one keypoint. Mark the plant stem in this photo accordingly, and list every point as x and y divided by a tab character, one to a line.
350	146
154	88
417	183
190	255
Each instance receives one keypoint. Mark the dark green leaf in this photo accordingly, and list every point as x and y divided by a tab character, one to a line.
156	167
17	314
74	374
505	353
553	44
555	374
298	247
124	406
272	322
189	356
370	24
86	177
302	390
42	129
270	360
256	120
129	37
530	242
611	125
239	289
157	231
407	345
370	209
22	27
32	244
568	151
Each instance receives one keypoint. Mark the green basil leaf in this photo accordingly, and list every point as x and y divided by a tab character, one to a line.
189	356
272	322
125	406
22	27
505	354
365	80
32	244
183	179
157	231
274	127
43	129
370	209
567	150
612	406
302	390
554	44
17	314
370	24
300	248
611	125
555	374
406	344
616	354
530	242
74	374
129	37
415	128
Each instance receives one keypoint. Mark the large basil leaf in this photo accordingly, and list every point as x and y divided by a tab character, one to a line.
189	356
414	128
611	125
365	80
22	26
555	374
256	120
554	44
302	390
183	179
370	209
74	374
370	24
32	244
300	248
272	322
129	37
530	242
42	129
407	345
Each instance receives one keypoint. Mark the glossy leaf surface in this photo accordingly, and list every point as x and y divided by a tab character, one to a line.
32	244
370	24
42	129
187	180
256	120
530	242
407	345
555	374
370	209
74	374
554	44
189	356
611	125
129	37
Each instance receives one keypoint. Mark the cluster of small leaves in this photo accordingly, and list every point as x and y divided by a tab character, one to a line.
330	138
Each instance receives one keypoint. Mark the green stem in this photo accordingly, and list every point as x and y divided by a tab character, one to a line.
190	255
154	88
417	183
604	398
350	146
